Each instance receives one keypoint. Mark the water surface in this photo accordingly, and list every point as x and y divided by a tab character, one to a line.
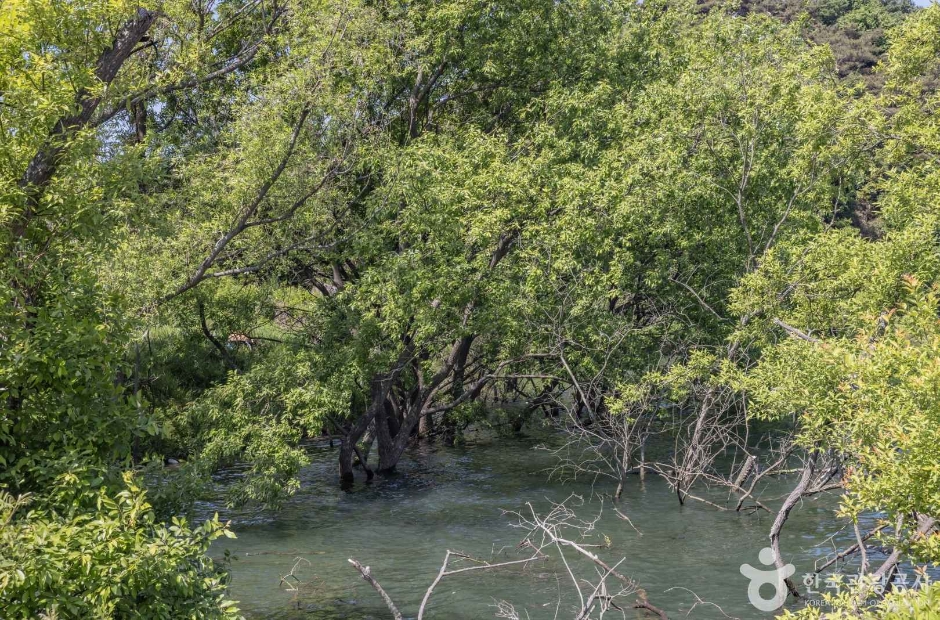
456	498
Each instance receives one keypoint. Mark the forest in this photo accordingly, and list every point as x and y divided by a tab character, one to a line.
681	259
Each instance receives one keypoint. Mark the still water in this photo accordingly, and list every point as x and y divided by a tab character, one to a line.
455	498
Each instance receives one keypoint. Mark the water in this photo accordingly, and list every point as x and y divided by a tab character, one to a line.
455	498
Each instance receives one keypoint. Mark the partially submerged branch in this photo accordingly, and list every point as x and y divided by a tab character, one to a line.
368	578
544	533
481	566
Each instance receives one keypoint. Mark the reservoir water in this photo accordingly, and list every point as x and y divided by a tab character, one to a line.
292	564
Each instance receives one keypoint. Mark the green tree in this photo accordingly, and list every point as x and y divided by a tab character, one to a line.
858	369
90	545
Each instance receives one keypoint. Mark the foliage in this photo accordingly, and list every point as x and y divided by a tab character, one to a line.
397	246
367	217
858	377
113	560
855	30
91	545
908	604
872	397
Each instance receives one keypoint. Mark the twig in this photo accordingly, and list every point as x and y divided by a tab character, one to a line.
700	601
627	519
848	550
861	548
295	587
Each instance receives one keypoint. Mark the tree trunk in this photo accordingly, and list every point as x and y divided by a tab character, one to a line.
460	364
386	422
688	472
348	449
368	439
379	388
376	412
643	458
392	447
426	426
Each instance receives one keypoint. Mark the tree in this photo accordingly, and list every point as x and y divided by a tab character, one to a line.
861	316
67	423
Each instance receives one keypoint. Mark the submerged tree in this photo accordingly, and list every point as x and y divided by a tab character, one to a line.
499	186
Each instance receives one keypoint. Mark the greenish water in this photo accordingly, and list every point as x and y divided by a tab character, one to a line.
454	498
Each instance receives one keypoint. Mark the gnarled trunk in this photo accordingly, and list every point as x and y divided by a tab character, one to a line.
379	388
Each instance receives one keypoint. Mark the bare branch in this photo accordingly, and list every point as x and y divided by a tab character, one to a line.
796	333
367	576
443	572
698	298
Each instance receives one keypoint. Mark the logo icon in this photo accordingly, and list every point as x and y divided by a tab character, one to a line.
774	576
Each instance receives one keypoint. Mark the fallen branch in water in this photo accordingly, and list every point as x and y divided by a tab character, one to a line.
285	580
627	519
549	530
483	565
367	576
544	532
700	601
639	604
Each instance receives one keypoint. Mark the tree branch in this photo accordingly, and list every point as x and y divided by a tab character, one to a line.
367	576
796	333
45	162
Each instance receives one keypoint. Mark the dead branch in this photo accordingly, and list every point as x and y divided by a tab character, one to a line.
700	601
788	504
627	519
285	580
548	530
367	576
481	566
641	604
544	532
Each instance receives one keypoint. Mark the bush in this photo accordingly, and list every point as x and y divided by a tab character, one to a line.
114	561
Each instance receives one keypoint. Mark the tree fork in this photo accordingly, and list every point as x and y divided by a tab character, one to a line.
379	388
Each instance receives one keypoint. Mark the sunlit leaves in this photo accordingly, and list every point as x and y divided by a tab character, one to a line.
110	561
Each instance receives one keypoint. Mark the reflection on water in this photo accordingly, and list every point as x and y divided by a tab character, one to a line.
455	498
